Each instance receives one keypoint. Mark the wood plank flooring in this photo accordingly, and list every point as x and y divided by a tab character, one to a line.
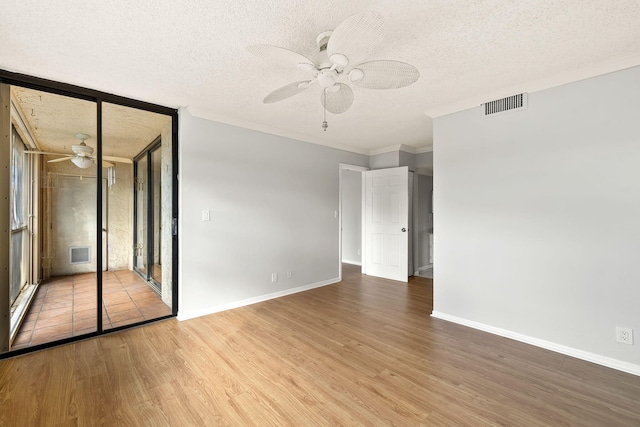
361	352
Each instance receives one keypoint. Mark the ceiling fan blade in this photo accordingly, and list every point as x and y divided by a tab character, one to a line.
355	38
278	55
48	153
117	159
338	102
62	159
384	74
286	92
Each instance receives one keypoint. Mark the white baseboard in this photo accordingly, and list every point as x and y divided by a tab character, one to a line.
347	261
254	300
426	267
558	348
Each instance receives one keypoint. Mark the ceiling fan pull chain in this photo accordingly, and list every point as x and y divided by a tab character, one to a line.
325	125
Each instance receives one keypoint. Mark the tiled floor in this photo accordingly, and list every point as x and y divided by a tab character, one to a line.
66	306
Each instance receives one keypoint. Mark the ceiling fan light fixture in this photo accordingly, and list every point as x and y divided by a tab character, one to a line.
306	67
82	162
356	75
327	78
333	66
339	59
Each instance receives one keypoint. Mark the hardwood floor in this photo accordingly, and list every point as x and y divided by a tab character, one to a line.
361	352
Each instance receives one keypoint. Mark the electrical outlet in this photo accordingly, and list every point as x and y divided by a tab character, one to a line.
624	335
205	215
274	277
289	274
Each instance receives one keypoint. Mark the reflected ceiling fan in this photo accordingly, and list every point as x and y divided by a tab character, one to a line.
82	155
339	62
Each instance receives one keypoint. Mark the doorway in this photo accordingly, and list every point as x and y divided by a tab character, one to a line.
385	211
350	215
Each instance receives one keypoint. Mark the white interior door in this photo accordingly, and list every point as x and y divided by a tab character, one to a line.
386	223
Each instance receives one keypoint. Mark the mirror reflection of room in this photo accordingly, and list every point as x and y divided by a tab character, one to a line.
54	206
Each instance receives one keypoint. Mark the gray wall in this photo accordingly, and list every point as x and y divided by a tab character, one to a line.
351	217
537	218
407	159
385	160
424	163
272	202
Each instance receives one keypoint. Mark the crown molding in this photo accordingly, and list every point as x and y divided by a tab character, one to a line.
211	115
245	124
427	149
392	148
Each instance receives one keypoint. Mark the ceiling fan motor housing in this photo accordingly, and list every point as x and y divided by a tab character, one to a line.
321	60
327	78
82	149
323	39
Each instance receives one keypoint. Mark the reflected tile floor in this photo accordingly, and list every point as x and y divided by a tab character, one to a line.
66	306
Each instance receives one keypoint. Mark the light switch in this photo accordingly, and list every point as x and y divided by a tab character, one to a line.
205	215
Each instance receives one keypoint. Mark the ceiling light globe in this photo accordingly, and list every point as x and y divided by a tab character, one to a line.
82	162
339	59
355	75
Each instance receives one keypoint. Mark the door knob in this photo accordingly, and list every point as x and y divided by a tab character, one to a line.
404	229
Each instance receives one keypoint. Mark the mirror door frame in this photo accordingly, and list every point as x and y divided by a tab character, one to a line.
8	79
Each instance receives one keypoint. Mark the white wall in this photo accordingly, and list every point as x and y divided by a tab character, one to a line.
537	219
351	217
272	202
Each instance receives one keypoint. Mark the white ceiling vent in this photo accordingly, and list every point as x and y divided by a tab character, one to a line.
510	103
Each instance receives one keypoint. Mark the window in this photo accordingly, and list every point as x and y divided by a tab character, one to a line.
19	215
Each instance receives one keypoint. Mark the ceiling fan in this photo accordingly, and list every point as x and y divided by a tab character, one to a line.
339	62
82	155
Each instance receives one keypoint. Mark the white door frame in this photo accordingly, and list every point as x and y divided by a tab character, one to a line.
354	168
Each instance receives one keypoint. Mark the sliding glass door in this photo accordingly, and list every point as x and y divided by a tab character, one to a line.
149	215
132	287
87	191
141	259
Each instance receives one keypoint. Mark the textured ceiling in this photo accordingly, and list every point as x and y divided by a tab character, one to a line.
193	54
54	120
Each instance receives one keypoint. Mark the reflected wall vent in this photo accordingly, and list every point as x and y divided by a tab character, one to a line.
510	103
79	254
